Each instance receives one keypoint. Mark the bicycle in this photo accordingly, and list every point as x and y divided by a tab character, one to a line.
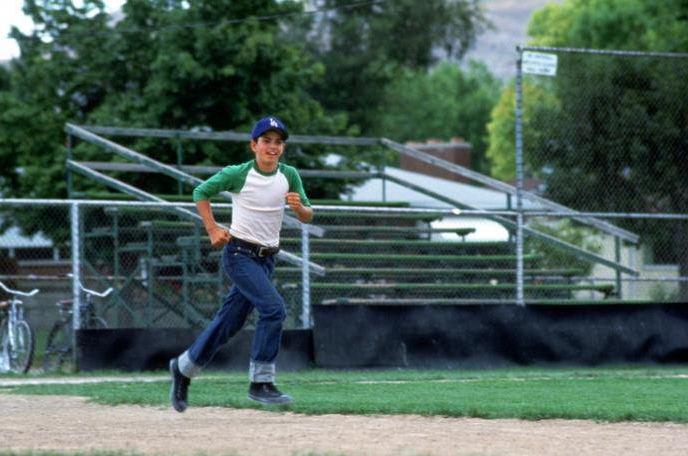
17	339
59	352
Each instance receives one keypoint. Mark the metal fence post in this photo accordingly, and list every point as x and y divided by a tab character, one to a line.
305	278
76	275
180	162
381	170
70	183
617	258
519	179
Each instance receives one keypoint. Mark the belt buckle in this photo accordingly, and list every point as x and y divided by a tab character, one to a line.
263	251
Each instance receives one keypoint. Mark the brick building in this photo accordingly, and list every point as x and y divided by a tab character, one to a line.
456	151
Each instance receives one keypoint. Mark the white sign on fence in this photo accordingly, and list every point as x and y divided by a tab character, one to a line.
539	63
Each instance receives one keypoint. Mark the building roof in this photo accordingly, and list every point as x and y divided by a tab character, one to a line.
470	195
14	239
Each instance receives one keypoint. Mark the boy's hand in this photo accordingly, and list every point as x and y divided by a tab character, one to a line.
294	201
218	236
304	213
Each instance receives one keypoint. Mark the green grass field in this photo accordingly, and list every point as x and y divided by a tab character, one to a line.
603	394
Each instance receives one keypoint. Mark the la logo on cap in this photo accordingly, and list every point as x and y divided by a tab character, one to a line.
269	123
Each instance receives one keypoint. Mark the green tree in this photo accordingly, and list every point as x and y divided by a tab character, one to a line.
365	47
612	24
4	78
501	130
167	64
600	24
208	64
616	138
441	103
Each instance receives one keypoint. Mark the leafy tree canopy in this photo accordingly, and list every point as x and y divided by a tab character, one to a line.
441	103
601	24
625	118
500	128
612	24
166	64
615	140
366	46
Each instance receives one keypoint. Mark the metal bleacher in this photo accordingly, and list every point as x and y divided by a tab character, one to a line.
167	273
406	266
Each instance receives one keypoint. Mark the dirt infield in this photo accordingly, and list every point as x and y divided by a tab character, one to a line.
70	423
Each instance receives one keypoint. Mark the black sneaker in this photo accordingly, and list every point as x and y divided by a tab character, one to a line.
179	389
267	393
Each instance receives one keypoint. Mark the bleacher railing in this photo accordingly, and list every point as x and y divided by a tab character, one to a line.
165	274
87	134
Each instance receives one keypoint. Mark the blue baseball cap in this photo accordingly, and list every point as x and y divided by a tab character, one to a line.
267	124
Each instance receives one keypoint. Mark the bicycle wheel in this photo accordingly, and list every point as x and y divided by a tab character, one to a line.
58	347
21	348
4	347
97	323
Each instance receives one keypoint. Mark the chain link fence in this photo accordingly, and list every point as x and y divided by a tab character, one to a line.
159	263
35	252
164	272
607	132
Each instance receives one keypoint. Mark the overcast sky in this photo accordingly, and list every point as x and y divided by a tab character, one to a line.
11	14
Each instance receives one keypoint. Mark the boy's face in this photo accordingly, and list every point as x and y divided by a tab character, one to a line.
268	149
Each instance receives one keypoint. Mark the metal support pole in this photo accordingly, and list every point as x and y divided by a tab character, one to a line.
384	189
117	269
70	188
617	257
633	263
519	180
509	207
305	279
180	162
381	170
185	285
147	269
76	276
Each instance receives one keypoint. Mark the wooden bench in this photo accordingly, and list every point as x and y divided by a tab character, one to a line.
334	259
470	289
336	202
391	232
330	218
478	301
416	246
403	273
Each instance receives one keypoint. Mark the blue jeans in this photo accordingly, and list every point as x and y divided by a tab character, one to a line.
251	276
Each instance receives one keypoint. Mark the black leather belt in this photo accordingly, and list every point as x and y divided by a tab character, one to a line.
258	250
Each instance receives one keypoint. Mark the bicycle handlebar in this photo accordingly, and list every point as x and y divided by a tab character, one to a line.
17	292
95	293
101	294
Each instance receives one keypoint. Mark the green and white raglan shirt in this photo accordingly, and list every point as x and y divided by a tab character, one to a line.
258	199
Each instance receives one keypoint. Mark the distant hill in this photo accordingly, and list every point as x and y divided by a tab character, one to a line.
497	48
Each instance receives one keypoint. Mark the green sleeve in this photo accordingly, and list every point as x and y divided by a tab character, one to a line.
295	184
229	179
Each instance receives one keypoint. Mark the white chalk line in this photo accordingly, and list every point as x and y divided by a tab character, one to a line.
13	382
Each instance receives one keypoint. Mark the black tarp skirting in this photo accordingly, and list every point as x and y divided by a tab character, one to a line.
449	336
151	349
428	336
